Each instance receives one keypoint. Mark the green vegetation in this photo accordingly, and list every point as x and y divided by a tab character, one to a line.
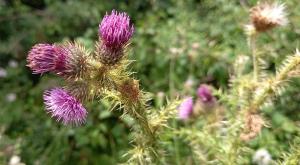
174	41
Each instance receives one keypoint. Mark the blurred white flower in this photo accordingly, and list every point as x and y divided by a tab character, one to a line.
242	59
11	97
3	73
262	157
13	63
160	95
14	160
195	45
189	83
176	51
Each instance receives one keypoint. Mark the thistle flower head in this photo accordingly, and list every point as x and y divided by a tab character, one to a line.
205	94
73	60
266	16
186	108
253	125
42	58
130	91
64	107
114	31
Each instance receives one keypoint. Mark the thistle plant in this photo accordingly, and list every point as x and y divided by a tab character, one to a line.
101	74
222	136
216	125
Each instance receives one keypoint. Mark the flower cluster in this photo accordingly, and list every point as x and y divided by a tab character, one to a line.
205	101
82	71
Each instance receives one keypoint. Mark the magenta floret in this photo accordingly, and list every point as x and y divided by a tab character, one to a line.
64	107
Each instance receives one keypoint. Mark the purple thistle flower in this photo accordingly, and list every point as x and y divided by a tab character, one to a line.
205	94
62	58
42	58
64	107
186	108
115	30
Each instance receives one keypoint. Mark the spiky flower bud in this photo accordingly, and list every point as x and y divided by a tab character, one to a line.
115	31
74	60
42	58
81	90
64	107
68	60
186	109
266	16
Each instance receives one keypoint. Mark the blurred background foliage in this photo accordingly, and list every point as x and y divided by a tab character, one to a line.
174	41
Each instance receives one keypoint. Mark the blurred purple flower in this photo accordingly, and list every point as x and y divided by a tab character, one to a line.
64	107
186	108
115	30
205	94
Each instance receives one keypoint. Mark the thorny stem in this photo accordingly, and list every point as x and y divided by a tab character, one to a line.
140	116
272	84
143	121
138	112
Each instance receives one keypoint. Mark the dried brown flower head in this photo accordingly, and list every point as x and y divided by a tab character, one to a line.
253	126
266	16
129	90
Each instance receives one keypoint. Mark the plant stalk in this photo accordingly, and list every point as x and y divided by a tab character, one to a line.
252	44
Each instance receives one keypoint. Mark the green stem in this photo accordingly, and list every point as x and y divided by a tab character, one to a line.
252	44
172	91
171	71
143	121
176	146
148	140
